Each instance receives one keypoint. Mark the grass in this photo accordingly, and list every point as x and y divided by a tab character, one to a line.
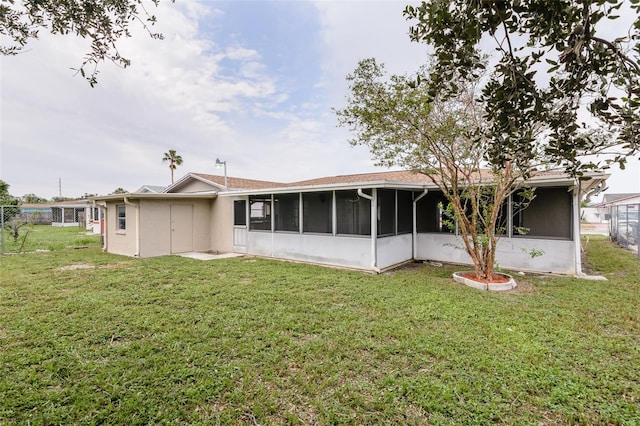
45	237
89	337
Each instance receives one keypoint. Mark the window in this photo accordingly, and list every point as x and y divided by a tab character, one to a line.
240	212
354	213
549	214
430	213
317	212
405	212
386	212
286	210
260	212
121	217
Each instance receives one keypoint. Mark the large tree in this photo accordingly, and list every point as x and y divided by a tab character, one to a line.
173	159
403	125
102	22
565	65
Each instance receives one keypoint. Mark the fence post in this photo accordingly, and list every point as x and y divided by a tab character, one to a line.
2	229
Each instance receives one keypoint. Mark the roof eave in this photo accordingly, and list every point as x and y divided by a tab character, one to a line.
160	196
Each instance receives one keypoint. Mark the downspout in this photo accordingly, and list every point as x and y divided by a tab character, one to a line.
374	229
576	228
137	208
103	229
414	246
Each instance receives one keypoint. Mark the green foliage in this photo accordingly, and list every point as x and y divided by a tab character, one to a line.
404	123
33	199
90	337
8	202
582	68
119	191
102	22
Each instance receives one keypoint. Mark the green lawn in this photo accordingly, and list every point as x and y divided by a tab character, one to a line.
89	337
45	237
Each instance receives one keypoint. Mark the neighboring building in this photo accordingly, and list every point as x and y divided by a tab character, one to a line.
600	212
150	189
36	213
369	221
609	200
623	213
69	213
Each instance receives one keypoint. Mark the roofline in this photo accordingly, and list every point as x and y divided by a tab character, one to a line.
616	201
193	176
159	195
540	179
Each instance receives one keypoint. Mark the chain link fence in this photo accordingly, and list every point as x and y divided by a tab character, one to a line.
624	228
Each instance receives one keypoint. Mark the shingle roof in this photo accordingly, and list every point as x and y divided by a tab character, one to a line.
395	176
399	176
239	183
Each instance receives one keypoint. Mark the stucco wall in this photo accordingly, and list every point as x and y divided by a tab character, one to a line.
121	241
221	225
155	227
194	185
202	215
512	253
352	252
394	250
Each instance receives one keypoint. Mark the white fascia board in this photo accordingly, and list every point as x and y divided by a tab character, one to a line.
331	187
158	196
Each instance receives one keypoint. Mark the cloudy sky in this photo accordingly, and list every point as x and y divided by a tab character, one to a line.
249	82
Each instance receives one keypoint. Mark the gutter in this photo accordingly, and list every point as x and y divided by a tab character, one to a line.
374	229
137	207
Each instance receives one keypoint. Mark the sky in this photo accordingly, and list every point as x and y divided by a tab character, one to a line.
252	83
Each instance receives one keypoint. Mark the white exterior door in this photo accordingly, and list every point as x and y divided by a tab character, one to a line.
181	228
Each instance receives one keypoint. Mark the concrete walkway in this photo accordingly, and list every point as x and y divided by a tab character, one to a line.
209	256
594	228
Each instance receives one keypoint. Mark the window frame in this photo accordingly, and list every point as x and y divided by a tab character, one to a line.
240	213
291	217
261	221
121	217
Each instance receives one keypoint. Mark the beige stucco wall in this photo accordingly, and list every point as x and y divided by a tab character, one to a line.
155	226
121	241
193	185
221	224
212	226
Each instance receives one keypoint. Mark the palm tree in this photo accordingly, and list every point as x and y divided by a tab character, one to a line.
173	159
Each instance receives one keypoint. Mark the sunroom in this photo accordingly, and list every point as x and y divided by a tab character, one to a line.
368	227
376	225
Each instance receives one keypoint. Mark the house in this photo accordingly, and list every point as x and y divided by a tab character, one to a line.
187	216
623	213
369	221
600	212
